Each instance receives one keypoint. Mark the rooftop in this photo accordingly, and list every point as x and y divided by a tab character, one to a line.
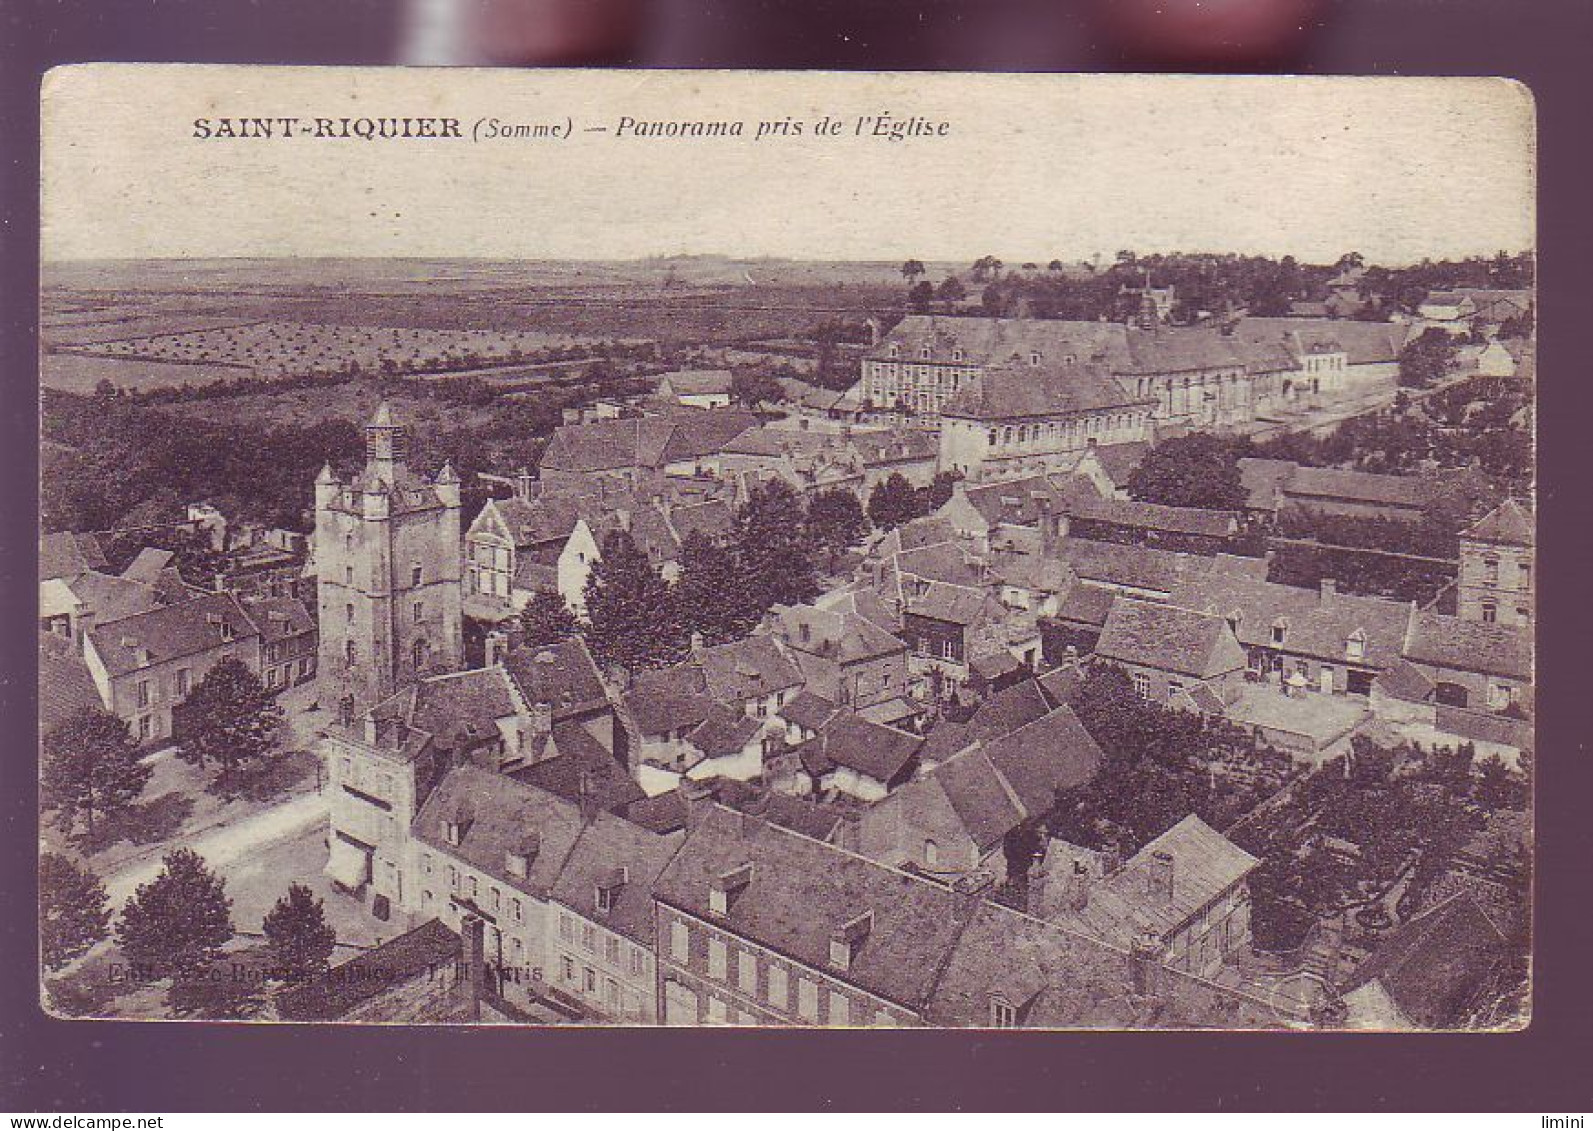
171	633
1169	638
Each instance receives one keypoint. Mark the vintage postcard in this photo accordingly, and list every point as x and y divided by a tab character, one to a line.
842	550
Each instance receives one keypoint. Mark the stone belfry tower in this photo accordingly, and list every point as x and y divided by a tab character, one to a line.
387	563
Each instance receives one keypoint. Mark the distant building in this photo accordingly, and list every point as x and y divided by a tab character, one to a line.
697	388
1496	566
686	442
388	573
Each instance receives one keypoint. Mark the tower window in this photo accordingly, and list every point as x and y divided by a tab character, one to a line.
415	574
419	612
349	613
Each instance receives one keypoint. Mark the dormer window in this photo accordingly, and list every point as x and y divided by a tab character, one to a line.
727	887
453	833
956	354
1003	1014
1034	358
894	351
1355	646
848	939
226	630
924	353
607	891
1280	629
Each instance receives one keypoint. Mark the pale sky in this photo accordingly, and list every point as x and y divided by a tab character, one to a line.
1034	167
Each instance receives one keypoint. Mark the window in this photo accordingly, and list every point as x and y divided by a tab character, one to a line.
426	898
348	613
679	941
184	678
497	899
146	727
588	938
566	928
894	351
1002	1014
143	693
475	888
807	1000
747	972
517	910
924	353
588	980
1490	570
716	958
415	574
418	614
1490	612
716	1011
605	898
1526	575
611	993
611	950
638	964
1280	629
840	1009
567	968
348	575
1173	688
1142	685
931	854
1355	646
778	991
453	878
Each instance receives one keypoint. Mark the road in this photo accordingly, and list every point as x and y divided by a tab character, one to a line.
226	844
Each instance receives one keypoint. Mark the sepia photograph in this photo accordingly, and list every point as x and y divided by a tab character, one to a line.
710	548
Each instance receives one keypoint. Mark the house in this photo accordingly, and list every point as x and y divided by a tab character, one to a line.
728	743
843	655
1471	663
65	554
1320	356
981	514
851	755
947	627
1182	529
145	665
996	717
697	388
66	687
1319	639
1025	418
636	450
602	902
810	462
660	709
1357	494
1495	360
289	643
1495	579
758	925
1168	651
955	818
1428	973
1188	888
70	606
755	674
1143	571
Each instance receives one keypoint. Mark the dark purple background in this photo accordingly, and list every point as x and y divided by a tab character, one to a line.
85	1067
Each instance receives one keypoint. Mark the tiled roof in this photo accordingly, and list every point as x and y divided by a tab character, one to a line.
988	341
745	669
1120	460
848	741
279	618
799	814
987	809
1019	391
1169	638
667	700
893	446
170	633
1061	686
500	815
1264	481
1024	502
1431	967
563	675
1469	645
1308	483
1086	604
841	636
605	845
1056	978
945	562
955	605
1153	516
801	892
662	813
65	685
808	710
146	567
461	708
1404	680
1144	567
1483	726
1314	624
583	764
1363	343
67	554
1509	524
999	715
698	382
724	732
430	947
1180	349
112	598
1136	899
644	442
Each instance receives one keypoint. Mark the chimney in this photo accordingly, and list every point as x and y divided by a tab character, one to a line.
847	939
473	955
697	642
1159	875
523	485
587	796
496	646
1078	894
753	816
698	799
1144	963
1330	589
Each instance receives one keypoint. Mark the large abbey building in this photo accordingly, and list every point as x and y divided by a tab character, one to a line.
388	571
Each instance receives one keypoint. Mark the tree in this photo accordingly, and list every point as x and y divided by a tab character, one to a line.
299	936
627	609
91	767
892	502
708	596
912	270
754	387
940	489
1197	470
771	548
74	913
836	522
1426	359
175	925
922	295
229	719
951	291
546	619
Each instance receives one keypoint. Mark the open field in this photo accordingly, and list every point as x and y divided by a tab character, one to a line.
80	373
354	401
